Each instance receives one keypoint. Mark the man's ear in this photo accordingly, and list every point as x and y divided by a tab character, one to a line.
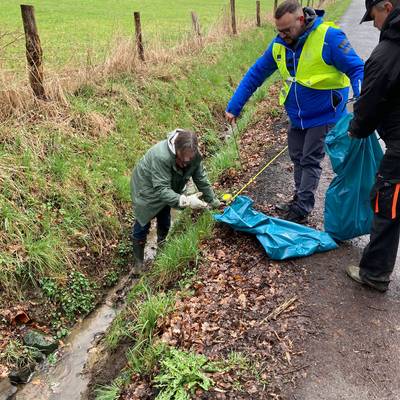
388	7
303	20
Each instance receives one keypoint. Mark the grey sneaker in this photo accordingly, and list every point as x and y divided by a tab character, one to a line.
354	273
286	205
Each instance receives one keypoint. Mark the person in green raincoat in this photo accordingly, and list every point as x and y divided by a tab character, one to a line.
157	183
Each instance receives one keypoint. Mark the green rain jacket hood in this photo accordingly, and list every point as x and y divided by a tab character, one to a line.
157	181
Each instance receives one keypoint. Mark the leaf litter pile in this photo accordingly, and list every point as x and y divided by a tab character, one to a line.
245	309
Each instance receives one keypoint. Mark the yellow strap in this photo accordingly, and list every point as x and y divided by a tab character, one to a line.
258	173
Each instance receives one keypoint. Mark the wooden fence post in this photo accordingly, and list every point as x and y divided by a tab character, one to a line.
138	34
275	5
196	24
233	17
258	17
34	53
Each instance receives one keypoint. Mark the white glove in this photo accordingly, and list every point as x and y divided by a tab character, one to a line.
192	201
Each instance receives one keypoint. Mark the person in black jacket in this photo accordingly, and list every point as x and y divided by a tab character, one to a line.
378	108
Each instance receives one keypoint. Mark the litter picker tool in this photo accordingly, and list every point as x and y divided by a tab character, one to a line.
227	197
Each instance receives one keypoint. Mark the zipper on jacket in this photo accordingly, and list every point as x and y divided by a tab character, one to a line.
295	88
334	108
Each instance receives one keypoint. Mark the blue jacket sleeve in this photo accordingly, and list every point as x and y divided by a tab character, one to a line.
339	53
254	78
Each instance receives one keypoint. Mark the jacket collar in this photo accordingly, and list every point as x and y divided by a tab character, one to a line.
171	137
391	27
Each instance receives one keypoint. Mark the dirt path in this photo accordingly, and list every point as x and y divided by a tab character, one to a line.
351	348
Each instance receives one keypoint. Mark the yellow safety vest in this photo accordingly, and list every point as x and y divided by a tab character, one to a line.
312	71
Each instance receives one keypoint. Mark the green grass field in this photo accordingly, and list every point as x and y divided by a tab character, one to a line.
69	29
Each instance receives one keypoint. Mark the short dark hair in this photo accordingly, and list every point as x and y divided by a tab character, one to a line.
288	6
186	140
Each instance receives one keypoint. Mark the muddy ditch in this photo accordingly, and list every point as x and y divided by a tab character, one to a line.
62	377
57	308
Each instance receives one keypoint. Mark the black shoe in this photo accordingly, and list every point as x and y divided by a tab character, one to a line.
293	216
287	205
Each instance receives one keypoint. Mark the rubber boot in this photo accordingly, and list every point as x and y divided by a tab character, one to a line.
138	256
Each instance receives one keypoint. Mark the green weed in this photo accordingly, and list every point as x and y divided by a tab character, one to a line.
16	354
238	360
138	322
225	159
181	373
142	357
243	365
52	359
148	314
110	392
118	329
75	298
111	278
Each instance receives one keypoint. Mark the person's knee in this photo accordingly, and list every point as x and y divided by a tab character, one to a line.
312	163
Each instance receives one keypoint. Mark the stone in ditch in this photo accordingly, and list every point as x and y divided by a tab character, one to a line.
6	389
22	375
45	344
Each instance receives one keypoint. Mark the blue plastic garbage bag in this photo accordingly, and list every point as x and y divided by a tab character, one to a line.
280	239
348	212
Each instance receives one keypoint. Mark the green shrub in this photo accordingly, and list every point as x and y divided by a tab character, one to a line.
75	298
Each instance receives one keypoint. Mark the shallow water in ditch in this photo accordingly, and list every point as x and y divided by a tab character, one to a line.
68	378
65	380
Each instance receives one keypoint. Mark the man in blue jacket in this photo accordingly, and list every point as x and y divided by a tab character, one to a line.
317	64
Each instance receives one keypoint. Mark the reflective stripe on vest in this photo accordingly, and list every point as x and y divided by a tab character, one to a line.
312	71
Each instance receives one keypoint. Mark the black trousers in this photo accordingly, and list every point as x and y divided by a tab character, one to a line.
306	150
140	232
379	257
